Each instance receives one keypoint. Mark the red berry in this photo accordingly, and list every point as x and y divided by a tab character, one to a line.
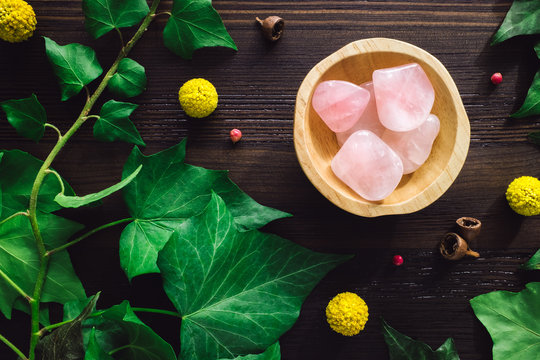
496	78
397	260
236	135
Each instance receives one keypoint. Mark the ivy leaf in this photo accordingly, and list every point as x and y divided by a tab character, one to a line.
534	137
272	353
114	123
129	80
512	321
20	261
195	24
165	193
523	18
102	16
531	105
27	116
66	342
244	289
18	170
93	351
75	66
533	263
119	331
76	201
402	347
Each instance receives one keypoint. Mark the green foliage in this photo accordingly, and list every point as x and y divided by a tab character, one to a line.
74	65
523	18
102	16
534	137
44	315
114	123
119	331
66	342
93	351
402	347
76	201
237	291
512	321
165	193
195	24
18	170
27	116
19	260
129	80
533	263
531	105
272	353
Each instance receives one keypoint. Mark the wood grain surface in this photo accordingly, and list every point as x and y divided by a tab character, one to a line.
427	298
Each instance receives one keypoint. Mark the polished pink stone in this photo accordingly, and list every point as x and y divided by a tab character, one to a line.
404	96
368	166
339	103
414	147
368	121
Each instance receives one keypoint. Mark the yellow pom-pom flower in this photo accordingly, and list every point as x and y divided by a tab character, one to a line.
198	98
17	20
523	195
347	314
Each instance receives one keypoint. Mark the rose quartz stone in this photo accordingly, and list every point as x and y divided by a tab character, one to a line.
404	96
368	121
368	166
339	103
414	147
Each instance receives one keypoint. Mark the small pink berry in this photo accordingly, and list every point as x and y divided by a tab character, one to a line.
397	260
496	78
236	135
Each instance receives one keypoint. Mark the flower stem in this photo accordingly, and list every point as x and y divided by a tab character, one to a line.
55	129
62	187
82	237
91	100
14	285
25	213
13	347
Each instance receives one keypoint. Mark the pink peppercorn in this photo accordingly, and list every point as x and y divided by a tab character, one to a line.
235	135
397	260
496	78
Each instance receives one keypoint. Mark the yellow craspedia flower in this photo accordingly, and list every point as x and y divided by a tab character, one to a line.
347	314
523	195
17	20
198	98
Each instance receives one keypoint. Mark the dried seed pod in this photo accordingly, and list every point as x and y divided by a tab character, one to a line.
272	27
469	227
453	247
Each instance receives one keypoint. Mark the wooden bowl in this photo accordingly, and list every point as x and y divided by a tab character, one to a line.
316	144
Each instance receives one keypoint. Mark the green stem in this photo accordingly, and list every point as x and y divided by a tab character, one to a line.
55	129
113	351
157	311
14	285
25	213
90	233
13	347
62	188
91	100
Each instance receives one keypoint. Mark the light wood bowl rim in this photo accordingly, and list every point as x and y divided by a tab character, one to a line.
358	205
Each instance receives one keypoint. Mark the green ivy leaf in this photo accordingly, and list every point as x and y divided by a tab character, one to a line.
244	289
114	123
27	116
20	261
531	105
119	331
272	353
75	66
195	24
534	137
93	351
402	347
102	16
129	80
512	321
76	201
523	18
165	193
18	170
533	263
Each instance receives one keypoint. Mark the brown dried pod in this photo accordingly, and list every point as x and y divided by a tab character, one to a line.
272	27
453	247
469	227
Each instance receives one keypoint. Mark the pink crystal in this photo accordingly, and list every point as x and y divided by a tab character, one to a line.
413	147
368	166
339	103
368	121
404	96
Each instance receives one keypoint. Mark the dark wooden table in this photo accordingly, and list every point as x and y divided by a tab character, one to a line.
427	298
